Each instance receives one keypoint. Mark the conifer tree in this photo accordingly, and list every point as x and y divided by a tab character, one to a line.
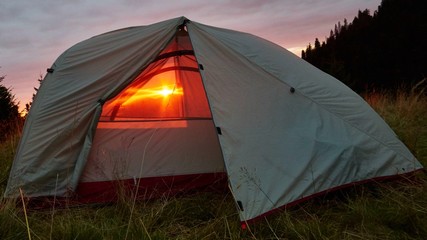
10	119
8	106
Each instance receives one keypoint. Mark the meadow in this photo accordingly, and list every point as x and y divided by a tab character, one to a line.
384	210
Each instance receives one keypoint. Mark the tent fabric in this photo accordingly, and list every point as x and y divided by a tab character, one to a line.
321	136
160	125
83	77
170	87
285	129
134	150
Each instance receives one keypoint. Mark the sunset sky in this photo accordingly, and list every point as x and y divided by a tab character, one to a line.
33	33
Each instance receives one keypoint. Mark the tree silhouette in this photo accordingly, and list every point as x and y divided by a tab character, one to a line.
385	50
28	105
9	114
8	106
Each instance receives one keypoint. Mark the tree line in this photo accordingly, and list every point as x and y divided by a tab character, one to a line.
10	118
385	50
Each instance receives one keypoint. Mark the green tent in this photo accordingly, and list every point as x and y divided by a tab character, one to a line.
178	105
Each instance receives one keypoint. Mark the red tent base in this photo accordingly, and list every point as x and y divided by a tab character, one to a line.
149	188
144	188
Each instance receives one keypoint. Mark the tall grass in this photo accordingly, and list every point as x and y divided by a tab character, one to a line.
393	210
8	147
406	113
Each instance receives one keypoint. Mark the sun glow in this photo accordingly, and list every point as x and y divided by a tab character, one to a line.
166	91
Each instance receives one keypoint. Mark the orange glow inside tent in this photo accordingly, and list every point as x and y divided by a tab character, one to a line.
160	88
169	88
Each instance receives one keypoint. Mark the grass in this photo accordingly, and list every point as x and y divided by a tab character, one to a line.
392	210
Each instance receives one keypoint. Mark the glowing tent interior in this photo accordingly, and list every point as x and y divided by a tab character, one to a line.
177	106
165	103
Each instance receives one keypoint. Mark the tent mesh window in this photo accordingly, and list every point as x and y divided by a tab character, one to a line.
169	88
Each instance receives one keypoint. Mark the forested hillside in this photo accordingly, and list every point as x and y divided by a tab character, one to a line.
383	50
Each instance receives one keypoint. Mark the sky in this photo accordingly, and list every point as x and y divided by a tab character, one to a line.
33	33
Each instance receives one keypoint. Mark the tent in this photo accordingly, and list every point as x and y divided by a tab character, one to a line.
179	105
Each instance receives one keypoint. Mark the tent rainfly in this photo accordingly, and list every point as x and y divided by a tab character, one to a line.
177	106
